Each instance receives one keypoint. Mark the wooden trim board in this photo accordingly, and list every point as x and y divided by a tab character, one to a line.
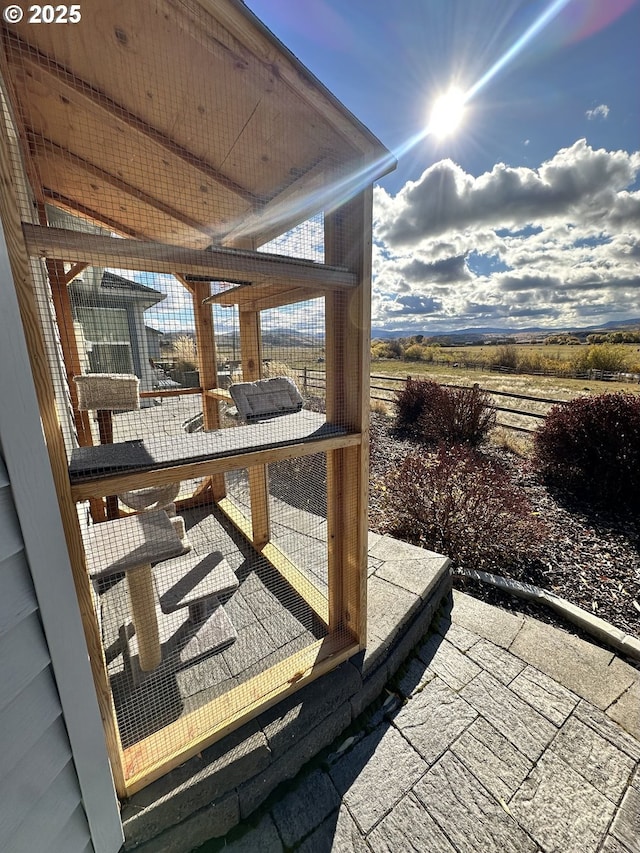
188	736
55	540
102	486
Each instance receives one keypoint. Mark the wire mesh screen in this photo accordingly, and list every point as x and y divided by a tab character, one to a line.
194	285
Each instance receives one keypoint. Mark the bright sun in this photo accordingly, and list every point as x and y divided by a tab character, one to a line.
447	113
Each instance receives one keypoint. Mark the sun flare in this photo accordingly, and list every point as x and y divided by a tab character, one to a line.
447	113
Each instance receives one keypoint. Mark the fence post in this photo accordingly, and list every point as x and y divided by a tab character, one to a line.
304	379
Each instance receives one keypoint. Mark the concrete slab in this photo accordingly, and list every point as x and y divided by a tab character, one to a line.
433	719
388	549
262	838
339	833
492	759
375	775
470	817
215	820
456	634
626	710
588	670
499	626
292	815
544	694
494	659
601	763
605	726
626	826
413	678
527	730
560	809
493	749
417	575
444	660
409	827
388	605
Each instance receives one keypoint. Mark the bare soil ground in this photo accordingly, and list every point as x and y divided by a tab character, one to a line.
588	558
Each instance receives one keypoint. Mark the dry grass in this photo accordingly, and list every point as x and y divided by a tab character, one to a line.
184	350
517	443
381	407
271	369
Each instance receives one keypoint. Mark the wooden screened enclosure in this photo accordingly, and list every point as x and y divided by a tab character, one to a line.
188	214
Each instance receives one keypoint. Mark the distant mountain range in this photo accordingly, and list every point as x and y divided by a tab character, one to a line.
298	338
483	332
273	338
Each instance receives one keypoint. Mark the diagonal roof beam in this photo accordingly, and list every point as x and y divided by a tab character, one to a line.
76	208
97	100
41	145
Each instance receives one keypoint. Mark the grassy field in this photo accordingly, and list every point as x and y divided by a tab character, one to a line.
534	357
562	388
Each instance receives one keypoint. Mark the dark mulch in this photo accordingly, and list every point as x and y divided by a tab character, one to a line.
588	558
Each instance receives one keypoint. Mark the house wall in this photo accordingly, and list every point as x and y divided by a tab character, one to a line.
56	790
40	801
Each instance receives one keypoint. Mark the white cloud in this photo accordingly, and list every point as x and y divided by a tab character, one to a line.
601	111
515	246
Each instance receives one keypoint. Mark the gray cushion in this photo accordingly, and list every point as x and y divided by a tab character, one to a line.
266	398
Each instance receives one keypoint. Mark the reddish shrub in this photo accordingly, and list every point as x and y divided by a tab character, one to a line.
462	505
431	413
590	447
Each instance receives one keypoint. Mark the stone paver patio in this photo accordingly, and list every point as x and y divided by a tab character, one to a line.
500	733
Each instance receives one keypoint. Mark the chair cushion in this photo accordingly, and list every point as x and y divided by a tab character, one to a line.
266	398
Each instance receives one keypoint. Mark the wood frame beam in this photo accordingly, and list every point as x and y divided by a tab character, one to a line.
77	208
207	361
255	301
251	355
191	734
98	487
25	292
305	588
71	359
218	264
75	271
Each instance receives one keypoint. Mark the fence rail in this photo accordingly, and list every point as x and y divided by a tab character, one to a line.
314	381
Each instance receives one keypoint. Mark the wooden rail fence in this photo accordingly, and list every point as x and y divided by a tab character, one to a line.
314	381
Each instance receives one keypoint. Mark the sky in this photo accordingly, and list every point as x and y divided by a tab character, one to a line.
528	215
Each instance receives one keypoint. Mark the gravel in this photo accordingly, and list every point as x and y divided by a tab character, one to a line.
589	559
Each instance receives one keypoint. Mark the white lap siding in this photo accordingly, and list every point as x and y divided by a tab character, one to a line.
56	791
40	801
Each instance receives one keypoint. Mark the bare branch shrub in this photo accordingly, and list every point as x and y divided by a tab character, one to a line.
463	505
431	413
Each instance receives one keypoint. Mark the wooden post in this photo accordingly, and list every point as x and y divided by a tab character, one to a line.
348	324
208	364
105	428
58	280
64	319
24	286
143	610
251	353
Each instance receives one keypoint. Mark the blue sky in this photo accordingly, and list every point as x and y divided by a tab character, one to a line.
530	213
